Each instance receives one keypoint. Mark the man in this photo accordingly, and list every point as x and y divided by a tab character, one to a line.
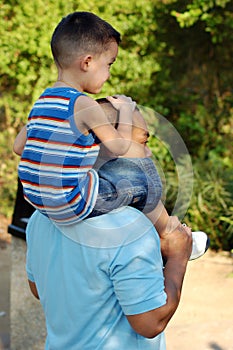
104	286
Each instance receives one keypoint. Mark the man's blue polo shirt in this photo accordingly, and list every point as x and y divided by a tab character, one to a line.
92	274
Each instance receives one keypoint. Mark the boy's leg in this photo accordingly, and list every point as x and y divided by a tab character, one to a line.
127	181
165	224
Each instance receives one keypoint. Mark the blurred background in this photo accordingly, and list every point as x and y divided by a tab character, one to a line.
175	59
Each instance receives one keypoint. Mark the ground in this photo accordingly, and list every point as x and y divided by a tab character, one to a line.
203	321
5	240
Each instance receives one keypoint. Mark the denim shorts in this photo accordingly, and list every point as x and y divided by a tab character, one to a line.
127	181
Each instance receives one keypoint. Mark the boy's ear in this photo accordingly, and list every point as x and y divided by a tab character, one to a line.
85	62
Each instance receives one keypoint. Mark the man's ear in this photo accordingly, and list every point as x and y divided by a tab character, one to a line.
85	62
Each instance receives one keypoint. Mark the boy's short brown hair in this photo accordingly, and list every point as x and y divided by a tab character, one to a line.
80	33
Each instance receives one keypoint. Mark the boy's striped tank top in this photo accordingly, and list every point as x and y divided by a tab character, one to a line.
56	164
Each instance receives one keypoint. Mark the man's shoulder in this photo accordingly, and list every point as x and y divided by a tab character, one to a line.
119	227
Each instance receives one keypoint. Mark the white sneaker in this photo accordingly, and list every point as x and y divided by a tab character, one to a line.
201	243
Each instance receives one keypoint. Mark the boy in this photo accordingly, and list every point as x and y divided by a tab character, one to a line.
56	167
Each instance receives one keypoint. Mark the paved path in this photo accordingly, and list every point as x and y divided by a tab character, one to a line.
204	319
4	295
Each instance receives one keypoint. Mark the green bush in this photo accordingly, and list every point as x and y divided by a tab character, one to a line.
211	207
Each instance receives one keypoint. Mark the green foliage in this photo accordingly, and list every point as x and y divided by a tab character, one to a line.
216	16
211	206
8	180
203	197
175	57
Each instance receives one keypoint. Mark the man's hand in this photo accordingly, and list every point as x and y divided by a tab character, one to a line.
176	240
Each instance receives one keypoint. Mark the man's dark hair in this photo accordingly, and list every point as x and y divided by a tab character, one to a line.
80	33
111	113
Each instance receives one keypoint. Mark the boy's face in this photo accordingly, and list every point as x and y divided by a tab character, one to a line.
99	69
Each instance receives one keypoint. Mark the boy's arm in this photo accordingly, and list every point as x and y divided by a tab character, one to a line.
126	106
20	141
90	116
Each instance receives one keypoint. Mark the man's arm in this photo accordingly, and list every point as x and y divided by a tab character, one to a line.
177	249
33	289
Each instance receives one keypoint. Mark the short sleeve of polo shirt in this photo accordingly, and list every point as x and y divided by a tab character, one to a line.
137	275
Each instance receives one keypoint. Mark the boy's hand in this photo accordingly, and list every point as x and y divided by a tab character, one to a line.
122	101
